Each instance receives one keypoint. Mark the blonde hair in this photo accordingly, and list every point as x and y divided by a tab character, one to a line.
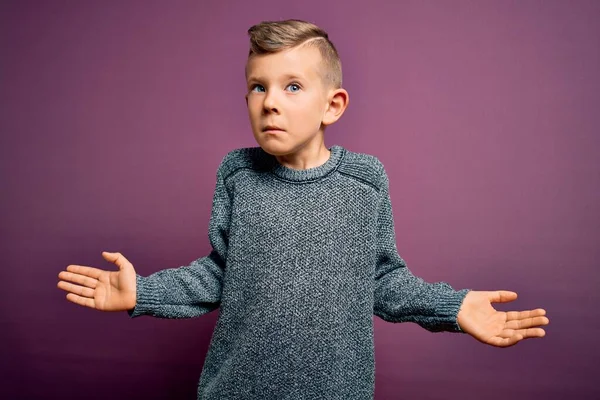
270	37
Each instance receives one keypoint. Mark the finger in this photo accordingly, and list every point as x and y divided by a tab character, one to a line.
517	315
79	279
116	258
82	301
87	271
527	323
76	289
501	296
531	333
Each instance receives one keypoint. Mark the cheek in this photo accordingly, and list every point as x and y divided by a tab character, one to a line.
308	109
313	115
254	108
250	103
254	119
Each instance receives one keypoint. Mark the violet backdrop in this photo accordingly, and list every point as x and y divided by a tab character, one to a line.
115	115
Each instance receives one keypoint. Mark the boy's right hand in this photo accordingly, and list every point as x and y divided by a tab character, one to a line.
99	289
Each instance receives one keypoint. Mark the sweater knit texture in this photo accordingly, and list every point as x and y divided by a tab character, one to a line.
301	261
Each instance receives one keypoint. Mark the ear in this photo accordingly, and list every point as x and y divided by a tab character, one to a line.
338	101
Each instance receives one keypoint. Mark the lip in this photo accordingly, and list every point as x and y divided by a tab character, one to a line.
272	129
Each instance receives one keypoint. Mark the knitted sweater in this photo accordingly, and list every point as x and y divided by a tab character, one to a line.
301	261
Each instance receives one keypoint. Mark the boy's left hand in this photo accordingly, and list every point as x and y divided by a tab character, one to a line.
479	319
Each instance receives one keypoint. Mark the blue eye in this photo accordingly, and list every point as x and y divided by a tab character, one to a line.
294	87
258	88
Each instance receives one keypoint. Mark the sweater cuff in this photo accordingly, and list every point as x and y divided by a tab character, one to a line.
462	294
448	311
147	298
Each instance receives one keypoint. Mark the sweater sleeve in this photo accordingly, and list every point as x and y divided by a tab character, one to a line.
193	290
399	295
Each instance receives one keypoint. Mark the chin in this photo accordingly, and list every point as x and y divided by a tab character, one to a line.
275	150
274	147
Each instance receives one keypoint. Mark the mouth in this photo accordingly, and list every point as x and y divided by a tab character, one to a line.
272	129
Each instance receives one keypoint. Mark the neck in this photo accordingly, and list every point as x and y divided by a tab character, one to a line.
310	156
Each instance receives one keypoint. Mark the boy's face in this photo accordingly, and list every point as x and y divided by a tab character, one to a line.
287	100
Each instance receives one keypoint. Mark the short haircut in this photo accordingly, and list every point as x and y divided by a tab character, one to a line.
270	37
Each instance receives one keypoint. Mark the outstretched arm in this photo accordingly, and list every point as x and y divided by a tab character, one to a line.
182	292
195	289
402	297
479	319
399	295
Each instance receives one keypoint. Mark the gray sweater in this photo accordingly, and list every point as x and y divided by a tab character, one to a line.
301	261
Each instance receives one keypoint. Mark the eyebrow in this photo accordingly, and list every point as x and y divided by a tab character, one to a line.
285	77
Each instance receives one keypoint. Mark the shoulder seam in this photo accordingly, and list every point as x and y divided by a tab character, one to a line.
236	160
364	168
356	178
235	171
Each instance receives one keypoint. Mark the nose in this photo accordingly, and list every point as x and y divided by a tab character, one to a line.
270	103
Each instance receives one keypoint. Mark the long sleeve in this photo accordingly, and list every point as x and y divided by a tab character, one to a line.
399	295
193	290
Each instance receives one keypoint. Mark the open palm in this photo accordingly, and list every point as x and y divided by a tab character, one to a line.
99	289
479	319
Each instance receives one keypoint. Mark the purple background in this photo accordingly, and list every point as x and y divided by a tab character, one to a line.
115	115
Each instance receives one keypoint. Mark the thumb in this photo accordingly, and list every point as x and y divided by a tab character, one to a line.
116	258
501	296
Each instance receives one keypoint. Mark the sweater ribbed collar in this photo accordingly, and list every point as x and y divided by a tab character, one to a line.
310	174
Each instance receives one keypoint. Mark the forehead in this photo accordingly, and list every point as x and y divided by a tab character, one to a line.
304	61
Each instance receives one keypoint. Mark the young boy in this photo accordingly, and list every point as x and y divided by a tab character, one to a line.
304	250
